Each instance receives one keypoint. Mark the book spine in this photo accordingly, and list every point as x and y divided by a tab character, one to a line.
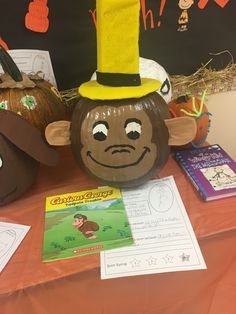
196	183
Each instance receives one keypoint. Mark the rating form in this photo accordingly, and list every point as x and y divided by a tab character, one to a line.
163	235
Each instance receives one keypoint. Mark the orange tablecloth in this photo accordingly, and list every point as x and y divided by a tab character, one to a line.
27	285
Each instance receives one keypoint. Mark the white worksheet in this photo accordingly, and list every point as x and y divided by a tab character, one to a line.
11	236
33	61
163	235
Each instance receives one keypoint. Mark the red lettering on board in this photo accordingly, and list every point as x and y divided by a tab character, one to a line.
163	2
145	15
93	13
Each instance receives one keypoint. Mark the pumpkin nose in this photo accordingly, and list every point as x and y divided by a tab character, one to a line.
123	148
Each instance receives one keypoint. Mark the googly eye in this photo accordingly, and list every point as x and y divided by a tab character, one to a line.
1	162
100	131
133	130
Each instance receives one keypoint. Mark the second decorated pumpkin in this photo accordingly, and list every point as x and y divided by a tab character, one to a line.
32	97
196	108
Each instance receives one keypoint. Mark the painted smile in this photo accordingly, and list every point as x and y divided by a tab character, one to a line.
145	151
2	198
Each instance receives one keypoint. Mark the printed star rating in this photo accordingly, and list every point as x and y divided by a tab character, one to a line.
135	262
168	259
152	261
185	257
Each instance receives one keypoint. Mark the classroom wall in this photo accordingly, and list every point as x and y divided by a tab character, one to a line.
71	40
67	30
223	121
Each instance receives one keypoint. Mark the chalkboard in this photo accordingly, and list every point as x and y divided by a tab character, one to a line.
71	35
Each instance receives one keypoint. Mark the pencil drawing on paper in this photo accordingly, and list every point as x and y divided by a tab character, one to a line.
7	240
40	63
161	197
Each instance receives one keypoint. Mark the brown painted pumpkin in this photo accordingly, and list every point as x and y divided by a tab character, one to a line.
22	148
193	107
35	99
121	142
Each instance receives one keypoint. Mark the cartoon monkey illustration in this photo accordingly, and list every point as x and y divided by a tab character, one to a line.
183	19
84	226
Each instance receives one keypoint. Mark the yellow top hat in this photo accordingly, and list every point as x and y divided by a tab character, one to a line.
118	53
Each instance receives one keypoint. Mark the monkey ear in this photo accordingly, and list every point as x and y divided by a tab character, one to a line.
58	133
26	137
182	130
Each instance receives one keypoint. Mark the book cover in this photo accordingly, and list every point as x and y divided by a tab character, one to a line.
211	170
85	222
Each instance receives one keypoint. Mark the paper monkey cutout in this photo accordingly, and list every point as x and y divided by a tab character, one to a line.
22	148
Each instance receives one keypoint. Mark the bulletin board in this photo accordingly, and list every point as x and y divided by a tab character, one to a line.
67	29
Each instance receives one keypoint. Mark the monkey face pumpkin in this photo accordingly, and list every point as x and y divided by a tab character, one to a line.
118	143
121	141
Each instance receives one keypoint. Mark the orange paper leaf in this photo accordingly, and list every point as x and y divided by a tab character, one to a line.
36	18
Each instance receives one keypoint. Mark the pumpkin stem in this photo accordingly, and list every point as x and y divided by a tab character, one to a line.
9	65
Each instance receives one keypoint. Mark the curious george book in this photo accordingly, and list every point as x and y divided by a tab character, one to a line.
85	222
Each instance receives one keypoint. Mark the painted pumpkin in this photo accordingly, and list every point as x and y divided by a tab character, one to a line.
193	107
35	99
22	148
121	142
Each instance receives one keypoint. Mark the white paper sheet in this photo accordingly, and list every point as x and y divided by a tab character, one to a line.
32	61
11	236
164	238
